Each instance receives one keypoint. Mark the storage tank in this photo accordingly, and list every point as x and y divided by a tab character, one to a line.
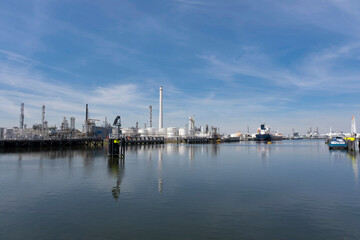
183	132
129	131
172	132
191	132
143	132
151	132
161	132
237	134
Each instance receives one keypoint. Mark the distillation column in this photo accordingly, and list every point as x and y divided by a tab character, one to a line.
150	116
161	108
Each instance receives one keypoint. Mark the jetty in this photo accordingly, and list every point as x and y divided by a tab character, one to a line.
20	143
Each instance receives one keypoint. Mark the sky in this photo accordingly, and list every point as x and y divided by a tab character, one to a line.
231	64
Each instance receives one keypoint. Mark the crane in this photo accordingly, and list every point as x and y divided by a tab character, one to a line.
117	122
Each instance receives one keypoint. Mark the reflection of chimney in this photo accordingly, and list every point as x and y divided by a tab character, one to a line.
161	108
160	162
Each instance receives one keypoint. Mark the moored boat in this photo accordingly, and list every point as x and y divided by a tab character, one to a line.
264	134
338	143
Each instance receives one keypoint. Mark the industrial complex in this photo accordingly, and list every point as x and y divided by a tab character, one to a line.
66	130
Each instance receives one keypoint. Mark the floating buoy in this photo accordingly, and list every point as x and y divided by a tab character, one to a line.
269	142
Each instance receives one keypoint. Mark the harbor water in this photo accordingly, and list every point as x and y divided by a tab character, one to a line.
247	190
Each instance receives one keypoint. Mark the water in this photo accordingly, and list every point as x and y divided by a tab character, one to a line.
286	190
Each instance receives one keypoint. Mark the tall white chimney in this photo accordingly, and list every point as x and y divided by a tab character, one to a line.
161	108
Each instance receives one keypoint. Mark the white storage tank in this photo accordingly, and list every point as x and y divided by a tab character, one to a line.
191	132
151	132
128	131
183	132
161	132
143	132
237	134
172	132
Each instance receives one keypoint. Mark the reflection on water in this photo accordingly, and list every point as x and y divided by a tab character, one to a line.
263	151
160	162
353	158
180	149
350	156
208	191
117	170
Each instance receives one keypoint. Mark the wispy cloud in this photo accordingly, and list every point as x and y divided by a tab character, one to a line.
318	71
28	61
340	16
190	2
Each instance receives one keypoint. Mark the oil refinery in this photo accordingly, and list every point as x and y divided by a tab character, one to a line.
90	130
67	130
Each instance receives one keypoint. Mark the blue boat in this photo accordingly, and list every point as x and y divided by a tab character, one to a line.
338	143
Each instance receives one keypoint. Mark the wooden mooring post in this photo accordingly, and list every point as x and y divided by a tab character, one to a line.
117	148
351	145
117	145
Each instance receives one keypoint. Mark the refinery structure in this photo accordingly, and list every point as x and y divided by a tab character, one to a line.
189	130
67	130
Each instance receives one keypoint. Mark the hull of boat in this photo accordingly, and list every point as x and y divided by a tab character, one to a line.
267	137
263	137
338	146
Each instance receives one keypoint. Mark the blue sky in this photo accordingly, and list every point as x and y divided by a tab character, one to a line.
292	64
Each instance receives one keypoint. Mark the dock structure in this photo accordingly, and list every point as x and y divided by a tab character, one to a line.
20	143
144	140
199	140
117	145
351	145
194	140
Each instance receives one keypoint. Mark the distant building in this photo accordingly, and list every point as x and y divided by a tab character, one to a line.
2	133
100	132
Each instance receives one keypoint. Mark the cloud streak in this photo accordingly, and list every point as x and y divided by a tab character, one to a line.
318	71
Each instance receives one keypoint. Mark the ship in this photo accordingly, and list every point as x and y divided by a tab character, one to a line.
338	143
264	134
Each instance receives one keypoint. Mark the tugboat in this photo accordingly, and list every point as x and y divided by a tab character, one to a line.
264	134
338	143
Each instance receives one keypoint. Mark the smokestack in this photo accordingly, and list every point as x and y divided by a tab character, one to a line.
191	123
150	116
72	123
43	118
161	108
87	113
22	116
353	126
